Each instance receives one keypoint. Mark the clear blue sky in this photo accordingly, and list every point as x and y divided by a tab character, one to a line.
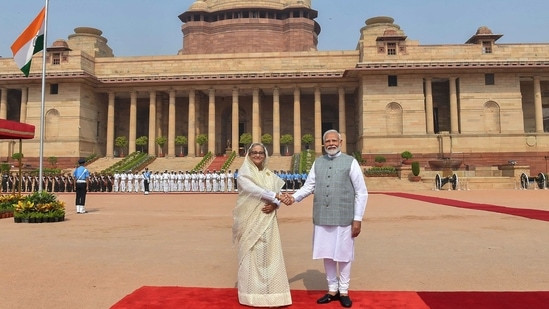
147	27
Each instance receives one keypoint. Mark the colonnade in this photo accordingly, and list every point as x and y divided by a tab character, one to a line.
193	126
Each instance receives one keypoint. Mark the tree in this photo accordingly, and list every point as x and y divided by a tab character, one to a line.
181	140
142	141
201	139
121	142
245	139
161	141
285	140
307	139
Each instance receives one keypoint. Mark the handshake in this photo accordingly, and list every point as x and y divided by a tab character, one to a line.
286	198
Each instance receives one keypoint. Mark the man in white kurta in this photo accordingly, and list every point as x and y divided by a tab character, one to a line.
340	197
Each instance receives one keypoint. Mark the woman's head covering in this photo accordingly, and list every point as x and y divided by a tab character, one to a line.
264	164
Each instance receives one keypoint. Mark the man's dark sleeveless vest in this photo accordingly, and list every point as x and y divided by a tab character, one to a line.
334	196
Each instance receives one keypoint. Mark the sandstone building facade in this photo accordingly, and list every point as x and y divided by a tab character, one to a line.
254	68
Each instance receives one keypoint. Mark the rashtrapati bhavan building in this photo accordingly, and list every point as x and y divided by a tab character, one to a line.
253	67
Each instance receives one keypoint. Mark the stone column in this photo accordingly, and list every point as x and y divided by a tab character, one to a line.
318	121
3	103
276	121
211	120
192	124
537	105
255	117
133	121
110	126
297	120
234	130
342	119
429	106
454	119
152	123
171	124
24	101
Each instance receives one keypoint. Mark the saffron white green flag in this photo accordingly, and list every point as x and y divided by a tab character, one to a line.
30	42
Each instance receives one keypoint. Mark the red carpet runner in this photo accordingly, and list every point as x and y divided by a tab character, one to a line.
217	163
519	212
226	298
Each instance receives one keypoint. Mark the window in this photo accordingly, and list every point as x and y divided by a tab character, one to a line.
486	47
392	81
56	58
54	88
489	79
391	48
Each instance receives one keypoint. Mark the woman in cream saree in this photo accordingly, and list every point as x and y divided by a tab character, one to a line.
262	278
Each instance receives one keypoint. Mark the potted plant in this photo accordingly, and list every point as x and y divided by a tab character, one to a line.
267	139
406	156
415	172
201	139
17	156
141	141
307	139
52	160
160	141
286	140
181	141
245	139
379	160
121	143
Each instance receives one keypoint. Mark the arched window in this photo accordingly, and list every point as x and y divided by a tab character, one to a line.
492	123
52	124
394	119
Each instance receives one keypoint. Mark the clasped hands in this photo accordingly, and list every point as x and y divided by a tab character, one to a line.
286	199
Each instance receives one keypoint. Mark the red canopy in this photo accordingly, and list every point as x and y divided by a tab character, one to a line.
15	130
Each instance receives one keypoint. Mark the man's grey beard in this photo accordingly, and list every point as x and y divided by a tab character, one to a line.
332	151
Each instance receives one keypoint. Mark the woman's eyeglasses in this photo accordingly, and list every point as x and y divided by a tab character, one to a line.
261	153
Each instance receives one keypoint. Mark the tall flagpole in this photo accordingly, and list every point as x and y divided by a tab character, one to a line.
43	103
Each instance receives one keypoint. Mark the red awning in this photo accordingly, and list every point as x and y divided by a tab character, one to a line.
15	130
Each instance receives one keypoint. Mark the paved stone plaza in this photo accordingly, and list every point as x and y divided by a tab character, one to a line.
128	240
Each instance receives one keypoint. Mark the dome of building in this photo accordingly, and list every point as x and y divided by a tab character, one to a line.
484	30
60	43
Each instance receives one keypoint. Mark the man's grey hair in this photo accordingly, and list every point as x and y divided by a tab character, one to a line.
328	132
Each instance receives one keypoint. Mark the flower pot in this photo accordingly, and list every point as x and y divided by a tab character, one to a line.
415	178
17	220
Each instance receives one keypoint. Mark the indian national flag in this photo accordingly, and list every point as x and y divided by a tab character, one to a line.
30	42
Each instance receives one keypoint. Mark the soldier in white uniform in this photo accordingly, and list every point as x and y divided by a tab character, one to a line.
136	182
215	181
123	178
116	177
201	182
194	181
222	181
230	181
166	181
187	181
208	181
179	181
129	184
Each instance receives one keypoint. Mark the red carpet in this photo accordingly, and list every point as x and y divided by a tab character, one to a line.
519	212
217	163
226	298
